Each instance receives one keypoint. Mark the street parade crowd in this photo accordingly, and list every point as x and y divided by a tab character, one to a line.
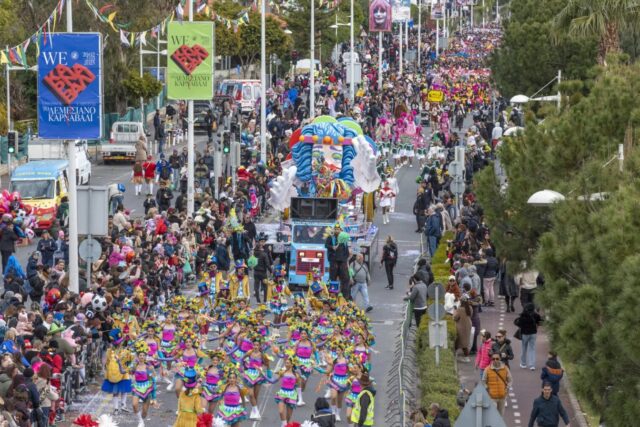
171	308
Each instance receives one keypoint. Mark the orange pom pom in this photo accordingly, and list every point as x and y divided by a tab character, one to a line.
327	139
315	138
301	139
341	139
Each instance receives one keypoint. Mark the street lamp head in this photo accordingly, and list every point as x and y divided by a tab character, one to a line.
545	198
288	31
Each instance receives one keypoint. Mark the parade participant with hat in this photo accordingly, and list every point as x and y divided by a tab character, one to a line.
143	383
189	402
211	394
254	364
277	293
239	281
116	379
287	396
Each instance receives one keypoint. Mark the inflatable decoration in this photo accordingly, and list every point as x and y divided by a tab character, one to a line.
330	158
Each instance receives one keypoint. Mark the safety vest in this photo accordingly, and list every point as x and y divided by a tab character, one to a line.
355	413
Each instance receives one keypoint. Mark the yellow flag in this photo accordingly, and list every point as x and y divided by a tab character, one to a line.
3	57
110	19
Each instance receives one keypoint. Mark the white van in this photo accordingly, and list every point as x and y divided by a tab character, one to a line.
55	149
244	92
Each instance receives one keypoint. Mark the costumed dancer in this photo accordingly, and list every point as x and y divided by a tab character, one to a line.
116	379
386	195
189	403
211	386
304	350
254	364
355	369
143	383
231	409
167	350
187	357
239	281
393	184
287	396
277	293
153	343
337	376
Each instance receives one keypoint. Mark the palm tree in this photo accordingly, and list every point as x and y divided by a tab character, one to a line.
603	19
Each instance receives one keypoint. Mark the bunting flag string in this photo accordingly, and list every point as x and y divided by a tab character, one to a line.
108	13
17	55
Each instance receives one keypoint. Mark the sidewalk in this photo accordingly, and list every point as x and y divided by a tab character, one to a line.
527	385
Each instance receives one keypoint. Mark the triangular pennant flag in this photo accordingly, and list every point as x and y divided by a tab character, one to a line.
110	19
132	37
201	7
55	18
179	11
37	42
12	55
3	57
123	39
143	38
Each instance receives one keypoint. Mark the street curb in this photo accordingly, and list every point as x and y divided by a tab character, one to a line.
579	417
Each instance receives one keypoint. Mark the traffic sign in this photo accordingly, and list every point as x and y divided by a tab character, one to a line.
456	169
436	307
480	411
457	186
90	250
437	334
431	291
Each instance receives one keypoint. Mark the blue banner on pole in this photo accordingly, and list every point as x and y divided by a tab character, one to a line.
70	86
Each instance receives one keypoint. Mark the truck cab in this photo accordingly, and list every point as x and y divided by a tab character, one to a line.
122	142
307	251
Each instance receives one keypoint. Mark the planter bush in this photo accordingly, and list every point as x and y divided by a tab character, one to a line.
440	383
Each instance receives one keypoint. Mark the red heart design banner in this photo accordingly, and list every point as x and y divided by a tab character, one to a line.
189	58
67	83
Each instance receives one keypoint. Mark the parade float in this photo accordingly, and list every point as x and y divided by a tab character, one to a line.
328	179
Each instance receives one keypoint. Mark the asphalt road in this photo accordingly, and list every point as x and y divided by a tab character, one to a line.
386	320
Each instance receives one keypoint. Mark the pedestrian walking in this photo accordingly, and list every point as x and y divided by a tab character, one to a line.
497	380
433	230
547	409
389	259
527	283
508	286
360	280
262	270
483	357
417	294
552	372
491	270
528	322
141	149
462	317
8	239
47	247
502	346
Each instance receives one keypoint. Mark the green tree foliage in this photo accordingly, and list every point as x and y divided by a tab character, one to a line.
603	19
588	251
529	57
145	87
298	20
244	42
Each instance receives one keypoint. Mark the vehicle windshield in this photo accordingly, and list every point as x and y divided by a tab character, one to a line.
308	234
34	189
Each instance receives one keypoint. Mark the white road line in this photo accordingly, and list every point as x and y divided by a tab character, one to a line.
516	414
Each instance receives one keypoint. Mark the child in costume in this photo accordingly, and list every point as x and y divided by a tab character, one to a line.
254	364
116	379
337	375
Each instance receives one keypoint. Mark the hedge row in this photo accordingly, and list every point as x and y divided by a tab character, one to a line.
438	384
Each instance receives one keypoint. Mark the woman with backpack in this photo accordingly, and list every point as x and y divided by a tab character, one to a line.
389	259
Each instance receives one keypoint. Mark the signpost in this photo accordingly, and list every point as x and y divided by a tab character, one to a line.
93	203
437	328
480	411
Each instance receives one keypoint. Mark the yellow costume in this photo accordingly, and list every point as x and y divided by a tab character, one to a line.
128	326
239	288
189	406
116	364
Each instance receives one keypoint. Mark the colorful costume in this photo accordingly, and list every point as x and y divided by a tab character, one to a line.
143	384
339	377
189	406
231	409
287	393
116	379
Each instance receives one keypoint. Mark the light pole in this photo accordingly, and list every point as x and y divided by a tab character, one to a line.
74	285
263	83
190	146
352	64
336	26
419	30
158	53
312	67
